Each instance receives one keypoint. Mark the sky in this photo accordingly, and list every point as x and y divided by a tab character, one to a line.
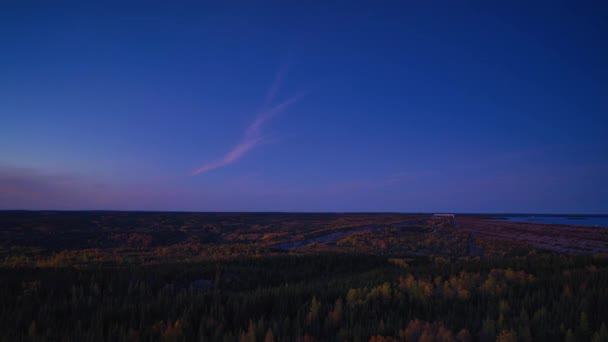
406	106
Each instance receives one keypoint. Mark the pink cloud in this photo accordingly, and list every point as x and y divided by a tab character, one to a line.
253	137
28	188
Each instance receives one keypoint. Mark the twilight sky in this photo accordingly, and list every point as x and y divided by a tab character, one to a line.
410	106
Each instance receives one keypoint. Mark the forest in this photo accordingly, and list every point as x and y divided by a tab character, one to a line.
116	276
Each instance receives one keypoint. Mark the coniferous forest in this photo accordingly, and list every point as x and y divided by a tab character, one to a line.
107	276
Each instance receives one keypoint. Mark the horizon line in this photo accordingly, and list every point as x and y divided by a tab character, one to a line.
303	212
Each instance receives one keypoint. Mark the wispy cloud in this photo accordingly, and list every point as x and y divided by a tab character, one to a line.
253	136
40	189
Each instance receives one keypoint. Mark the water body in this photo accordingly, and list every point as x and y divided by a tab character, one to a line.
325	238
332	237
592	221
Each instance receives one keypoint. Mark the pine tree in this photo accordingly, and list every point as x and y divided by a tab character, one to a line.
584	325
488	331
251	332
269	336
569	336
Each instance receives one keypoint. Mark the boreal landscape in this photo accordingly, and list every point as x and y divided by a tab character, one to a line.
303	171
125	276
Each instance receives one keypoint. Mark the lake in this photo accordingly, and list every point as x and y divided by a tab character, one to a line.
593	221
325	238
332	237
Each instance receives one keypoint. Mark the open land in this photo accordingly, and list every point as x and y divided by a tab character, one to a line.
298	276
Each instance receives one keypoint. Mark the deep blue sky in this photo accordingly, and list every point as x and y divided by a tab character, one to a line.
408	106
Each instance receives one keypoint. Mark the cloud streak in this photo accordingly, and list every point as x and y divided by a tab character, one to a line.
253	136
40	189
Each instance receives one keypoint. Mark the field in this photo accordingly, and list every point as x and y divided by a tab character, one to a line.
126	276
